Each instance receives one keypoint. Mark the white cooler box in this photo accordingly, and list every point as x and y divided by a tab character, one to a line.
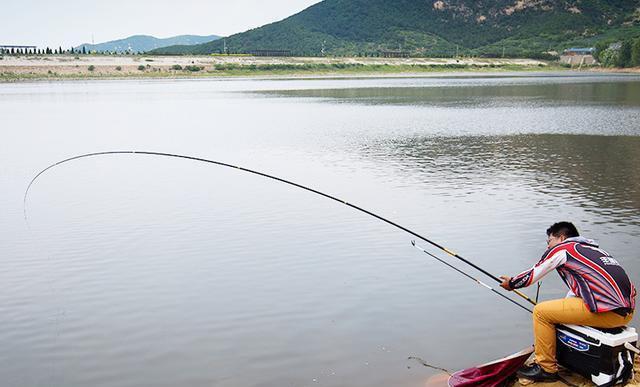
605	356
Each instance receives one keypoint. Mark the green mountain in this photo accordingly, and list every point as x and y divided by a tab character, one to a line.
143	43
434	28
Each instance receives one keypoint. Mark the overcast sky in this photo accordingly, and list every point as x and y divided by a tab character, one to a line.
72	22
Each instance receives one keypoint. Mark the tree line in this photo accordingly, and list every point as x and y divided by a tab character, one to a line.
625	53
57	51
42	51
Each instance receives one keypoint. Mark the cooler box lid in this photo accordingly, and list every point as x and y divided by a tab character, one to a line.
626	334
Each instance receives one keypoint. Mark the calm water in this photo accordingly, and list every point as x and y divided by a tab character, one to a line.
143	271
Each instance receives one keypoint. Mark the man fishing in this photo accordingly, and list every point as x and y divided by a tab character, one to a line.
601	294
606	295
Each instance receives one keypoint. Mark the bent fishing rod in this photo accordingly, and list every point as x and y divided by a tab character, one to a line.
219	163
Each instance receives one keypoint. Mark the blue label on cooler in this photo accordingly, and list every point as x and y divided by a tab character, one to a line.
573	343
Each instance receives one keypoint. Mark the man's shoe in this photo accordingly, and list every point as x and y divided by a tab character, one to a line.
537	374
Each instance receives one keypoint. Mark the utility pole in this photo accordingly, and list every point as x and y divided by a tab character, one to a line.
456	50
322	49
224	50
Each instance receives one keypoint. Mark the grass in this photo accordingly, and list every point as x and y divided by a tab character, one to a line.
347	68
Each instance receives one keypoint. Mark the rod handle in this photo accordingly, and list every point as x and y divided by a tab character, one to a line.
525	297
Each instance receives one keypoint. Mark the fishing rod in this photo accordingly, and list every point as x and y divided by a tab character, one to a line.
163	154
468	276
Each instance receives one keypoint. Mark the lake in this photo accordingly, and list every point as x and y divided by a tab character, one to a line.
134	270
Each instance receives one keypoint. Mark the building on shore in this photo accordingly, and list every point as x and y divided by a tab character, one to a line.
578	57
579	51
616	46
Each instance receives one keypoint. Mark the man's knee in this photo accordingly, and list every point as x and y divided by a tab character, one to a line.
544	311
538	312
566	310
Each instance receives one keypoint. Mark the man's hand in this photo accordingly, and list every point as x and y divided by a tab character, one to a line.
505	282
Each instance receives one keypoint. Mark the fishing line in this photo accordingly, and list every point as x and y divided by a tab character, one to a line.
171	155
424	363
469	276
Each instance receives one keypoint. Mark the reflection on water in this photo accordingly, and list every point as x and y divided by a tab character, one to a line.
599	173
621	93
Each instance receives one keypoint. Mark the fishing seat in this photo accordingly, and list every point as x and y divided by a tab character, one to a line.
602	355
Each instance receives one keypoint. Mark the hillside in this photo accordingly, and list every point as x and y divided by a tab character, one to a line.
432	28
143	43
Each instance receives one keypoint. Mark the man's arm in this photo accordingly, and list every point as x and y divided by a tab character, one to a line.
536	273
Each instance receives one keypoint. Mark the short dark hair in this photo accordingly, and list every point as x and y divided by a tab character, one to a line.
566	229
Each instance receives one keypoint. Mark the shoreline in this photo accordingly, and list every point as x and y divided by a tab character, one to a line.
441	380
89	67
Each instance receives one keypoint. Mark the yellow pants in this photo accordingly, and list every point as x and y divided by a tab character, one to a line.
565	311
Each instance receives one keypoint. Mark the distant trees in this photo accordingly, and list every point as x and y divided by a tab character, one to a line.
600	47
19	51
623	58
635	52
622	54
608	57
45	51
50	51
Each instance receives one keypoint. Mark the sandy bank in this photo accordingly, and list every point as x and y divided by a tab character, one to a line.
205	60
98	66
630	70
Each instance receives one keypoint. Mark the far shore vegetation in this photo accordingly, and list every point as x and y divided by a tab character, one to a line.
618	53
257	70
610	54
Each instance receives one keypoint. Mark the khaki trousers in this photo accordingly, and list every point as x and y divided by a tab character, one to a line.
565	311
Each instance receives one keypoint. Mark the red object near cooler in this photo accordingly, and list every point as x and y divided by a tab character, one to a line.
492	374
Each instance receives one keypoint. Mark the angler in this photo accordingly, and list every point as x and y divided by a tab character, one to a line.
606	297
600	294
